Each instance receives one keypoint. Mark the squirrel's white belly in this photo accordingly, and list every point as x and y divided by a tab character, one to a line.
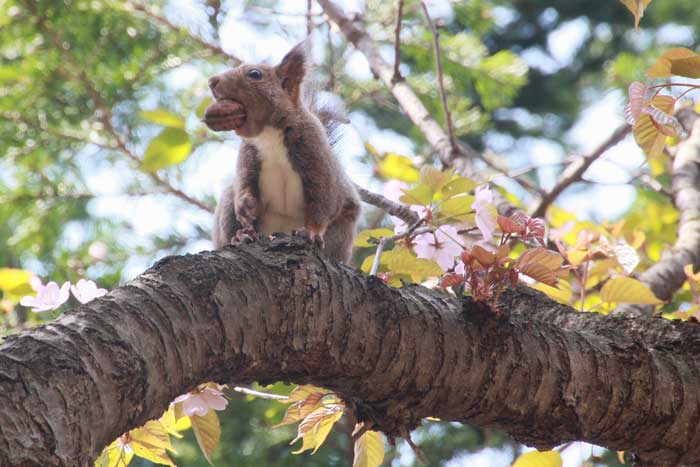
281	192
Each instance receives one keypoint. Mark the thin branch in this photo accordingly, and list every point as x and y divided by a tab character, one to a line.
413	230
105	114
397	44
575	171
259	394
184	31
391	207
441	79
404	94
309	19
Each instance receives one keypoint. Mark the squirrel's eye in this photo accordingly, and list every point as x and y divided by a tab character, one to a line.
254	73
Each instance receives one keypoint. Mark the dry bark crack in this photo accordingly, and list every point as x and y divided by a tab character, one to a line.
275	310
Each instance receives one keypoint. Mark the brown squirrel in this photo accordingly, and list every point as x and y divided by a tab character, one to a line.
288	179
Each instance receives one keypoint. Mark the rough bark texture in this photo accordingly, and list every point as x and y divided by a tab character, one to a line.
275	310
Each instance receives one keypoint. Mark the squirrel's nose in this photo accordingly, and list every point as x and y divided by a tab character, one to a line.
213	81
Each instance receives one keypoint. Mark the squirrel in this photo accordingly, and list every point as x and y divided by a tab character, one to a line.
288	178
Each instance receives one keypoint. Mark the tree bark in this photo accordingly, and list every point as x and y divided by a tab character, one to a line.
276	310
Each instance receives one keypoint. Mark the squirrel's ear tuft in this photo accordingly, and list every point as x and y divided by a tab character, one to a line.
292	68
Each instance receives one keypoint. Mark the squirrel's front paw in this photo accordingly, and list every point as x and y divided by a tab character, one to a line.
314	238
246	208
244	235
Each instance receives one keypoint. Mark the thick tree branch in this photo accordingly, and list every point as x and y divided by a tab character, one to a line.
274	310
667	276
407	98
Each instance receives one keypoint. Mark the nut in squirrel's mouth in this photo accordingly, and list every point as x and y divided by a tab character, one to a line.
224	115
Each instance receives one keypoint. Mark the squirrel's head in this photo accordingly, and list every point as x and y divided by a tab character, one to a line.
251	97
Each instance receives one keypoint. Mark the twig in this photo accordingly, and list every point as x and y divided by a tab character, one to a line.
397	44
413	230
416	450
366	426
259	394
441	79
575	171
166	22
106	115
309	19
391	207
407	98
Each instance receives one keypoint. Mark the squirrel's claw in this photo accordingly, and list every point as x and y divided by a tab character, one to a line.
315	239
246	234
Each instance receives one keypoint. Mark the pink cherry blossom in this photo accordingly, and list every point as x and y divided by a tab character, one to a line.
86	291
485	211
441	246
48	297
393	189
199	401
400	226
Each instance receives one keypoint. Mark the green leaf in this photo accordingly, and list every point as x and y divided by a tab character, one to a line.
207	430
433	178
163	117
458	209
403	261
421	195
457	186
539	459
199	111
362	239
369	450
628	290
398	167
170	147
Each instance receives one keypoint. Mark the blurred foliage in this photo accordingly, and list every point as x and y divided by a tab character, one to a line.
89	96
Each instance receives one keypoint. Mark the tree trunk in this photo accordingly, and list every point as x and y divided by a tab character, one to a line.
275	310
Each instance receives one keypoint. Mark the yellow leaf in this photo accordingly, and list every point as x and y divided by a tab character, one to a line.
627	290
539	459
562	294
637	8
305	400
15	281
576	257
369	450
371	149
172	425
115	455
362	239
150	442
403	261
207	431
163	117
688	67
398	167
662	67
314	429
646	131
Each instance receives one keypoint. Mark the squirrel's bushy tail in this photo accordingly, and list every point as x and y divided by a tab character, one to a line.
328	108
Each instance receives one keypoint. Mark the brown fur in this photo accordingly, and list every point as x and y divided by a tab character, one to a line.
330	203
